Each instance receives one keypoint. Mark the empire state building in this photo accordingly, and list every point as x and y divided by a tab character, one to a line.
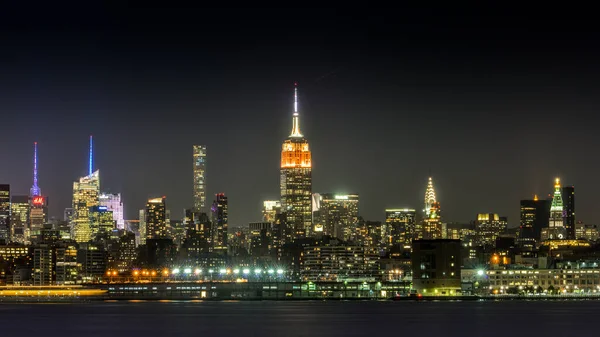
296	179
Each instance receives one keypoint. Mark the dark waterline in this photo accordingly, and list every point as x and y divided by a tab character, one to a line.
248	319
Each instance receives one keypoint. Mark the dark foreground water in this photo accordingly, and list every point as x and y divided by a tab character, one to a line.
248	319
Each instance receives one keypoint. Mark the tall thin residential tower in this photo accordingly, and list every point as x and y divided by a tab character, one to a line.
296	178
199	177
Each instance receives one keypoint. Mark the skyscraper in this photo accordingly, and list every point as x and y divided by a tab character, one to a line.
556	227
113	203
199	177
431	227
400	226
101	220
86	194
4	213
38	213
270	210
488	228
156	218
219	211
19	218
568	194
535	215
296	178
338	214
142	229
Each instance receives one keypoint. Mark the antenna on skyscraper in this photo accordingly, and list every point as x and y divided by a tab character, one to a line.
91	156
295	98
35	190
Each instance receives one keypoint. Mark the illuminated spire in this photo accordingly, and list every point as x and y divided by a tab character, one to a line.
91	164
35	190
429	196
557	202
296	119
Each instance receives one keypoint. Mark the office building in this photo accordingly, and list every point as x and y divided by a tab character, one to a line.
488	228
219	211
155	218
556	226
101	220
113	203
270	209
371	234
38	213
400	227
85	196
296	179
436	267
535	215
338	214
260	239
19	218
4	213
199	168
431	227
586	232
568	195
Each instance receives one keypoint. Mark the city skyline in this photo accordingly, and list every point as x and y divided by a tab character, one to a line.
474	110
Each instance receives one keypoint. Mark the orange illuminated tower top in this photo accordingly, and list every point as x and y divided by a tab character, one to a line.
295	152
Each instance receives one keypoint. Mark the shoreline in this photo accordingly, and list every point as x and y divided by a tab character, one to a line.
38	300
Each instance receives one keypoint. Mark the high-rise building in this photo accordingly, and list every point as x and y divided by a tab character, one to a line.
219	211
431	227
142	228
488	228
338	213
199	177
260	237
113	203
556	226
296	178
270	210
568	194
5	213
101	220
400	226
85	196
156	218
535	215
19	218
38	213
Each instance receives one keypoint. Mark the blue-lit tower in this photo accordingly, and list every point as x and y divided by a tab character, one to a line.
35	190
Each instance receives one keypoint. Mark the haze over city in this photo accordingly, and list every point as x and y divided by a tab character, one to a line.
493	114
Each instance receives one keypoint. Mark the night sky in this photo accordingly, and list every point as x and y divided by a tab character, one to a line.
492	105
